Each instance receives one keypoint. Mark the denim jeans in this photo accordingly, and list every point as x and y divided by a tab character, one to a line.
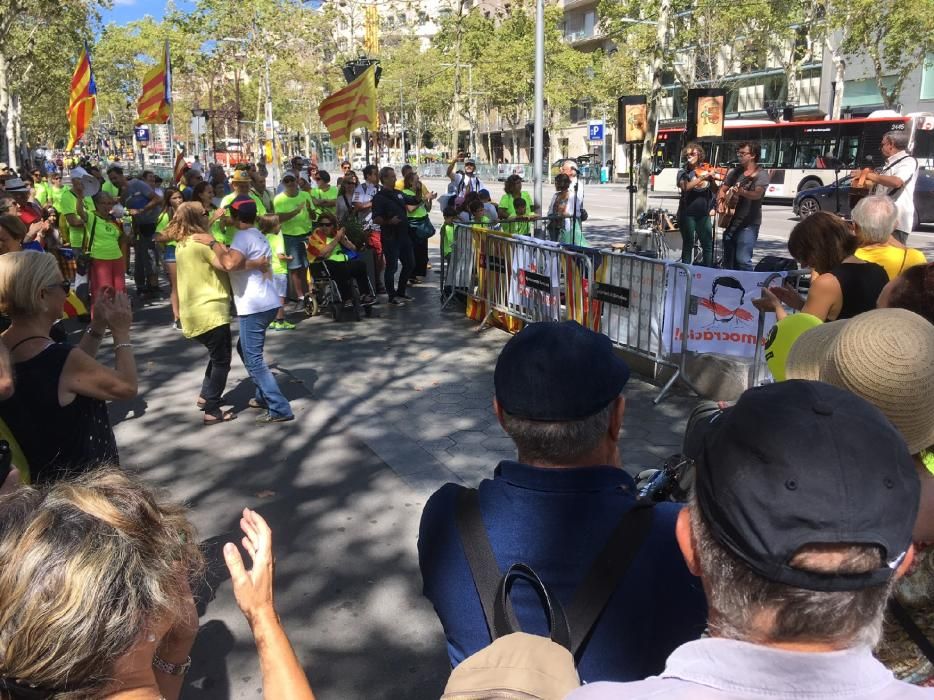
398	247
218	342
250	348
738	246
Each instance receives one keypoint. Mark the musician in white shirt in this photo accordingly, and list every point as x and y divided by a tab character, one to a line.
897	180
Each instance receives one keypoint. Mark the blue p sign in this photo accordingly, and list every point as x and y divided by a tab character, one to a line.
595	132
142	134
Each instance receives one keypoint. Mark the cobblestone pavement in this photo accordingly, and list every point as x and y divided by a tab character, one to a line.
387	410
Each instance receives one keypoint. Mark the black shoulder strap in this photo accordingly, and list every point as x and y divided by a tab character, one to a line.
911	629
606	572
479	552
591	596
93	229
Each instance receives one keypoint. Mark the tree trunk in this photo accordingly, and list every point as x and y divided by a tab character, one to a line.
839	77
648	144
6	114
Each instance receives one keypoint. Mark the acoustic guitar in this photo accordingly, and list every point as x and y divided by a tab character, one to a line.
726	206
860	187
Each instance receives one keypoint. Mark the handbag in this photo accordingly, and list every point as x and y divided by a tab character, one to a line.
83	261
423	229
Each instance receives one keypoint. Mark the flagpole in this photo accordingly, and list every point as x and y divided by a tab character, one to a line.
171	122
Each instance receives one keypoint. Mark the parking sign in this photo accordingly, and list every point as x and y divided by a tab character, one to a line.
142	134
595	131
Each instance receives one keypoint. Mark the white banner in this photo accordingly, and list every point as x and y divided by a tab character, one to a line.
722	318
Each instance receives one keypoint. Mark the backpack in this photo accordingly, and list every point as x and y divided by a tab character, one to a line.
524	666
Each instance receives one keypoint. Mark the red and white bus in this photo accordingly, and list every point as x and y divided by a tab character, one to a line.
803	154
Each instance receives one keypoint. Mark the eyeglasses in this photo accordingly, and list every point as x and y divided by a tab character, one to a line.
325	223
64	285
744	153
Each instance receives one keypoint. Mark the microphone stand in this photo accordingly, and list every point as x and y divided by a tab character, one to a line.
574	210
836	190
632	195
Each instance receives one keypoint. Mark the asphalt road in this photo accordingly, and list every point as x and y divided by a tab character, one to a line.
608	209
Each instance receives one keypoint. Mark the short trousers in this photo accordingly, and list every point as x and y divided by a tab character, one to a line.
376	243
169	255
281	282
295	246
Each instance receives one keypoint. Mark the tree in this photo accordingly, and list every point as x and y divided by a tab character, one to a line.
896	35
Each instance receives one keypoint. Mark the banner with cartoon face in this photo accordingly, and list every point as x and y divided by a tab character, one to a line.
721	317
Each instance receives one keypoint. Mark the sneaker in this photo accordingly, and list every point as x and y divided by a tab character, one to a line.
406	297
267	417
282	325
396	301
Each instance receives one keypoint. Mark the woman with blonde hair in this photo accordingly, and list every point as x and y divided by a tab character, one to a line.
95	591
203	303
58	413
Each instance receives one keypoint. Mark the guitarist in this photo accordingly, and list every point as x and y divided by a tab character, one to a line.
896	179
743	188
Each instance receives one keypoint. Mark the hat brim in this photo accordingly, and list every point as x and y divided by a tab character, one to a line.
810	350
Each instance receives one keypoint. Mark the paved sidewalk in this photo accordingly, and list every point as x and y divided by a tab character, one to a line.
387	410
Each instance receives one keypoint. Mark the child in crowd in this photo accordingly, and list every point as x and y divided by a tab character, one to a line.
489	209
520	225
447	232
278	266
477	215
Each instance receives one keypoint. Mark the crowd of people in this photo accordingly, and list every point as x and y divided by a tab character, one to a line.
800	566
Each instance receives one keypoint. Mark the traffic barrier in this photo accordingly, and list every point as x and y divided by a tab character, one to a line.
459	274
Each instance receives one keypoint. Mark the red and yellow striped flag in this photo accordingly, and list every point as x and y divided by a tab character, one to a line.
154	104
82	99
351	107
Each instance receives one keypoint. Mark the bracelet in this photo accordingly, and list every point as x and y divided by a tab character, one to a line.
171	669
123	345
94	334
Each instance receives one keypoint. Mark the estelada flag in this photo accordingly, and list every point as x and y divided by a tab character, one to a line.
350	108
82	98
154	104
180	167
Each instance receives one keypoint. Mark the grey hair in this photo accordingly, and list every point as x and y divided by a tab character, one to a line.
559	442
899	139
875	216
747	607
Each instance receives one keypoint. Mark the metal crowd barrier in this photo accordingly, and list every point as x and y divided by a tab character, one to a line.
459	273
534	280
759	367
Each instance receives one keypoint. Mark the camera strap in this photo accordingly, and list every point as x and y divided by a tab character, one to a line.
597	587
903	617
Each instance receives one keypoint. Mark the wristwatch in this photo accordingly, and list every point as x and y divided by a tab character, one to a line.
171	669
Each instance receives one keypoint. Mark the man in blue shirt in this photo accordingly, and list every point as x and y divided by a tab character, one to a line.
558	396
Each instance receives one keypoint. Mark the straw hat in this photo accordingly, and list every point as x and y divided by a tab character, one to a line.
884	356
241	176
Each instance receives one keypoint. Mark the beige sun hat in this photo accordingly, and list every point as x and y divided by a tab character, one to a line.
886	356
809	350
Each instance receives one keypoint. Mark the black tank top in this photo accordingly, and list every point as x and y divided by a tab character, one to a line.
861	284
56	440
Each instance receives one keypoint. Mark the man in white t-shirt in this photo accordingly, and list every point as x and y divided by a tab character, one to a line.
257	303
897	180
363	205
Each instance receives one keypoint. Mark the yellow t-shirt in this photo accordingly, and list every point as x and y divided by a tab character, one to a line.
299	225
203	291
895	260
68	204
226	235
106	243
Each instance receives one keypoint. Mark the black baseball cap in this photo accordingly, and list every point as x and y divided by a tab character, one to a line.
558	372
244	208
805	463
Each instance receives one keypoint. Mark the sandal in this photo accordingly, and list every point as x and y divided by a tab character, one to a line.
219	416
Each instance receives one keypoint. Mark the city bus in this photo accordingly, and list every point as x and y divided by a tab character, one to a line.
800	155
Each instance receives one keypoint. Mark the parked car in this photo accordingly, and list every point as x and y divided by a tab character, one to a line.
826	198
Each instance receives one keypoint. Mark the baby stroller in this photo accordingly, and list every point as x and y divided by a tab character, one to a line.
326	295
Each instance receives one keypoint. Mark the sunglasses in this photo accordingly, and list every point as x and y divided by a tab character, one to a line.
64	285
326	223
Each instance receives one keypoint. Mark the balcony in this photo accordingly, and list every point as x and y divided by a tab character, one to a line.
577	4
583	36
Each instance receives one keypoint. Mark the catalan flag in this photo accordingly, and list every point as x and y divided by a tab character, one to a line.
351	107
82	99
154	106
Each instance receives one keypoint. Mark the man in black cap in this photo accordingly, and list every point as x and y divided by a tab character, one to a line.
565	503
805	500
